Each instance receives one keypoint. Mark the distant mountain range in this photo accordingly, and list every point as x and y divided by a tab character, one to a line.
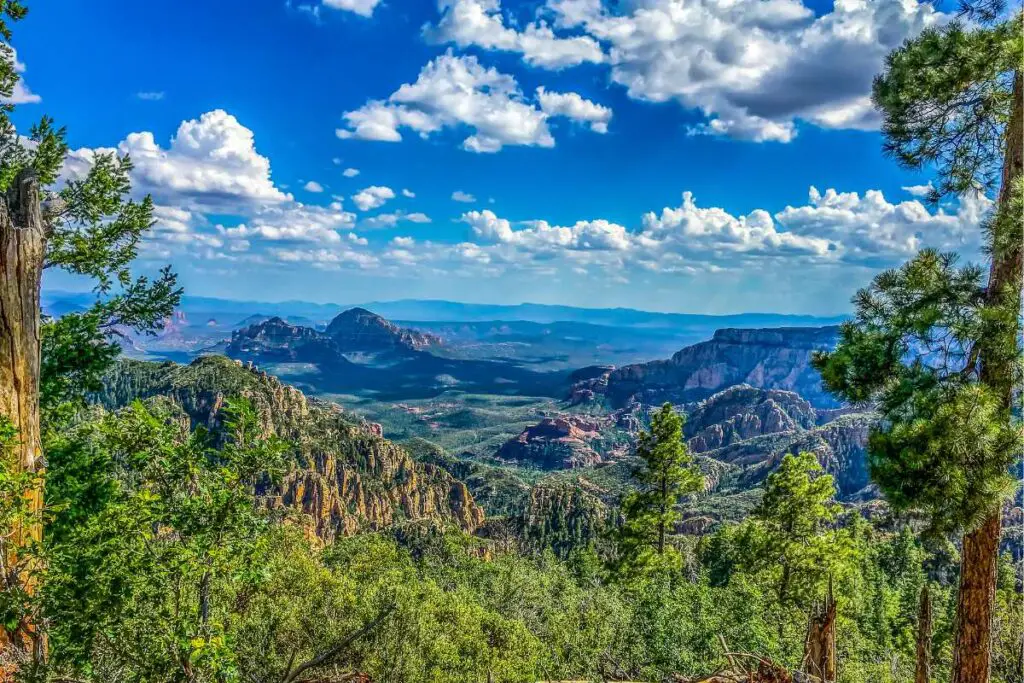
546	338
231	312
360	351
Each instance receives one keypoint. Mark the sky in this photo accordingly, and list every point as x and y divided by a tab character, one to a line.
705	156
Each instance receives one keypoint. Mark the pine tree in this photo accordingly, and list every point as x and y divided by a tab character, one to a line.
794	518
934	344
90	226
667	474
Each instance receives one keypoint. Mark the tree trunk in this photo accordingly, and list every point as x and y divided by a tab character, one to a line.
972	653
820	645
661	518
22	246
923	671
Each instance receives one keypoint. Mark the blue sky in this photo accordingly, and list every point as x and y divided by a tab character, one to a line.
573	127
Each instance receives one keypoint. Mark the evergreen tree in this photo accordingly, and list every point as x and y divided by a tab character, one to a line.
667	474
795	536
936	345
88	226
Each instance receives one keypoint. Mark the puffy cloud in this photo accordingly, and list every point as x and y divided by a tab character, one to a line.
692	230
326	259
464	197
21	93
752	67
832	228
409	194
869	227
389	220
211	171
363	8
542	236
372	197
313	186
211	161
480	23
919	190
573	106
294	223
350	172
171	219
453	91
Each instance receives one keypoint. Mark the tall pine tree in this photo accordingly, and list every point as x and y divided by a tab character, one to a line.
934	344
667	474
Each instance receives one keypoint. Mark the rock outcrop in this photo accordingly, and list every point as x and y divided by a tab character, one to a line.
275	340
358	329
754	428
561	442
769	358
743	412
344	476
361	351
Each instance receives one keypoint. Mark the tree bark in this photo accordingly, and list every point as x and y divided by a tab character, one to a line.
972	653
923	670
820	645
22	247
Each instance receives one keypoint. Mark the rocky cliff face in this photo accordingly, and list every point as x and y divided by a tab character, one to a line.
769	359
345	476
358	329
743	412
276	340
560	442
753	429
841	447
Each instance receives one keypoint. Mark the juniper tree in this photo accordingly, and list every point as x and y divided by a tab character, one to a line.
936	344
89	226
667	474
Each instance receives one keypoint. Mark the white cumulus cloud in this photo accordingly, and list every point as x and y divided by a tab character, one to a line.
21	93
372	197
480	23
574	106
455	92
753	68
363	8
210	161
389	220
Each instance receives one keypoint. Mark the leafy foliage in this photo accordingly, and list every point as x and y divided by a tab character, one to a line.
145	514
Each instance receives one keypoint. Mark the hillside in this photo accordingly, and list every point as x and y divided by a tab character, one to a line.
345	476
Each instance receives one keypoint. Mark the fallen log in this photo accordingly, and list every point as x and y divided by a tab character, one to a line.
760	670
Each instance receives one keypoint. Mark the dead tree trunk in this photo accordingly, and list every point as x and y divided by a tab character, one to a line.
923	670
972	652
820	646
22	246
